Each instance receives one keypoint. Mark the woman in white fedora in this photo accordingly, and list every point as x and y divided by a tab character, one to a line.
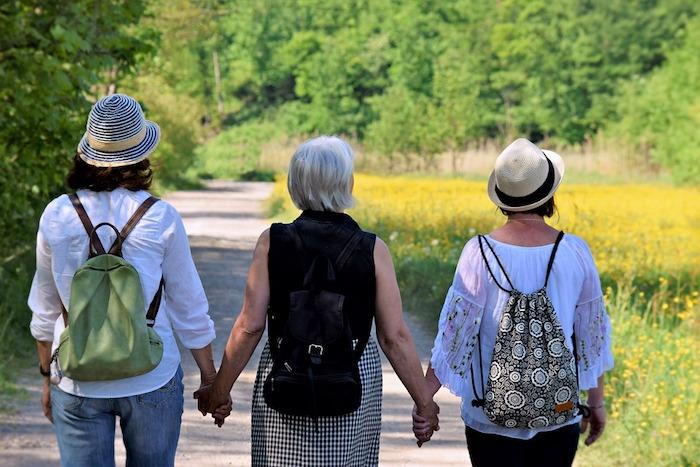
524	326
110	176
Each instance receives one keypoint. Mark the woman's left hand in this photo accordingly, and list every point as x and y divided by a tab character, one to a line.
423	429
596	422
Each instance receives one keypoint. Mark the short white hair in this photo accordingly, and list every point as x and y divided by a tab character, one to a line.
320	175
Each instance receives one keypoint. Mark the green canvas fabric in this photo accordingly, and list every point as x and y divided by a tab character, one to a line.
107	337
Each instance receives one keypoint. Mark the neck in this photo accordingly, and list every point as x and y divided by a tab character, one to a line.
525	218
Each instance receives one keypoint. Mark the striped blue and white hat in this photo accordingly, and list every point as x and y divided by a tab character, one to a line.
117	133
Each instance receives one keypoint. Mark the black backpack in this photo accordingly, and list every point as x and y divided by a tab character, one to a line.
315	364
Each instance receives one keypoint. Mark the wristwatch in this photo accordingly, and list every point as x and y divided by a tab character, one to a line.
45	373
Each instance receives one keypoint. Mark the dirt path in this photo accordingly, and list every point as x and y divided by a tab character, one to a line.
223	223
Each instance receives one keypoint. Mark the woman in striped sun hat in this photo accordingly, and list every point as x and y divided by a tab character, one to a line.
111	174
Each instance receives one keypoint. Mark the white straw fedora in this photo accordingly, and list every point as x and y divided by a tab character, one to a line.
117	133
524	176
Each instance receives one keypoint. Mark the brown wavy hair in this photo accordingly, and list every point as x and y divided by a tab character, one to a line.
133	177
545	210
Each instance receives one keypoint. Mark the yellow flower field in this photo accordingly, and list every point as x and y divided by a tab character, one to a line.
646	242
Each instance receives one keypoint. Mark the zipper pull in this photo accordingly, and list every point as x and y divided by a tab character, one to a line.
272	384
289	368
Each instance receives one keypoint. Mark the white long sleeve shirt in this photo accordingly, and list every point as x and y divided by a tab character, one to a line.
475	304
157	246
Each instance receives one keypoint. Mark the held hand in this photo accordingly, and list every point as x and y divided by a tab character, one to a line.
222	412
208	401
203	396
425	422
46	400
421	428
596	422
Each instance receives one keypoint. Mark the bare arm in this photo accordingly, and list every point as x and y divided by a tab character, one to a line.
432	381
393	334
598	417
43	350
249	326
205	361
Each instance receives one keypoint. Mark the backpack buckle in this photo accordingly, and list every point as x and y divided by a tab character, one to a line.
316	352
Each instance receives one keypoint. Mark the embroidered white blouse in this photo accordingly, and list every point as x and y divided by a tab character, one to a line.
157	246
474	303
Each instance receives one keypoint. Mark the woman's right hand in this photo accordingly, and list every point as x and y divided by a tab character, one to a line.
209	401
46	399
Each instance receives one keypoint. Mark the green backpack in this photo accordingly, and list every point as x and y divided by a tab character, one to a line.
107	334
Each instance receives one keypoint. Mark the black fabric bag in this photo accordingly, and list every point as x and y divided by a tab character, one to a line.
315	368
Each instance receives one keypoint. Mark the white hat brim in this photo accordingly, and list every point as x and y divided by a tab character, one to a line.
557	163
123	158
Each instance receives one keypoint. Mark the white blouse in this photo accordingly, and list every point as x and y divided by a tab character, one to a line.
474	302
157	246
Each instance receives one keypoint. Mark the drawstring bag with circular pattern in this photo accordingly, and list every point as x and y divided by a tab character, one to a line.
533	377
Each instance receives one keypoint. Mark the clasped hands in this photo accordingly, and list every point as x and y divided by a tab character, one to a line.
209	400
219	405
425	422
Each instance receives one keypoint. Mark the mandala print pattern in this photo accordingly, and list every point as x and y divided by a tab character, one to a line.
532	381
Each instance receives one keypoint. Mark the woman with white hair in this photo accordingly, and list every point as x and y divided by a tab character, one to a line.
320	282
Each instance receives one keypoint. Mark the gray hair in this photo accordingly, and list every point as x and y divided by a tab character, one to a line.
320	175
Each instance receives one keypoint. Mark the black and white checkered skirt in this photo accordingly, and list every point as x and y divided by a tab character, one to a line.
347	440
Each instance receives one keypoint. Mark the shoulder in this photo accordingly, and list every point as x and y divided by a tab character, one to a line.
57	211
580	250
577	244
160	207
381	249
264	239
471	252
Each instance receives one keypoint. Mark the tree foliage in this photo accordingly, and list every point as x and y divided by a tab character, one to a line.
661	112
53	57
408	76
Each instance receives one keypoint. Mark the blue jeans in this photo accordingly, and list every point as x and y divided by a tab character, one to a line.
150	426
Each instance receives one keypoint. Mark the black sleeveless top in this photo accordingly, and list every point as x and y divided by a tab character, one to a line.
322	233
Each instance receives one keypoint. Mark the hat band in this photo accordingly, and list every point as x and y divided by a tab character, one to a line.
116	146
537	195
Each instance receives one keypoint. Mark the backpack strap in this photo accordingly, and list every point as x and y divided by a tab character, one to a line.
340	262
551	258
116	247
155	305
95	242
347	251
488	267
344	254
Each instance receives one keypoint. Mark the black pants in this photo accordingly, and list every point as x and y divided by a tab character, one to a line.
555	448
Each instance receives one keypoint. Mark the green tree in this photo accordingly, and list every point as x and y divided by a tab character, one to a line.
661	113
55	57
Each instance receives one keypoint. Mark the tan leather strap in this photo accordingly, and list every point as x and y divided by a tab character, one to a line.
85	219
131	223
